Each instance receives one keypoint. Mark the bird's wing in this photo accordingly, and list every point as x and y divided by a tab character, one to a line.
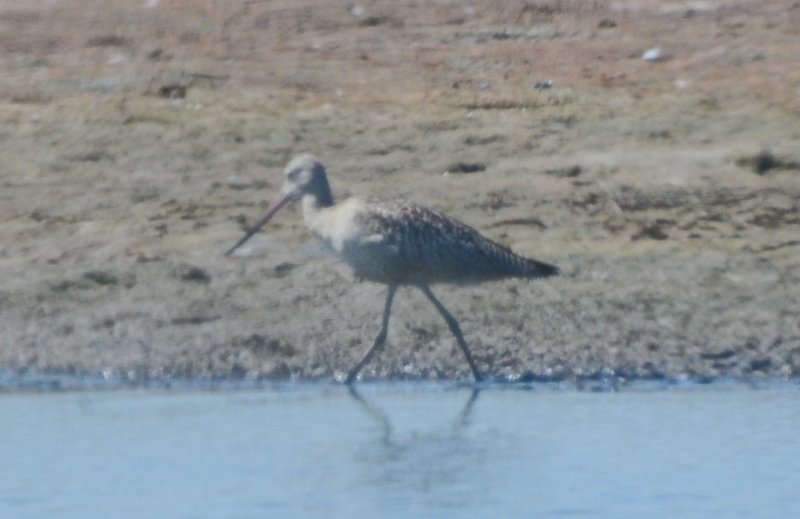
433	247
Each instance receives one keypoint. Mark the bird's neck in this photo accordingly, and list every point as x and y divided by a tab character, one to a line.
319	195
315	202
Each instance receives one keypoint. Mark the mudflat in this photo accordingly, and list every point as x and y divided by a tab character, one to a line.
647	148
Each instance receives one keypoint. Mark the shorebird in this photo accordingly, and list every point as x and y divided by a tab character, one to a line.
397	243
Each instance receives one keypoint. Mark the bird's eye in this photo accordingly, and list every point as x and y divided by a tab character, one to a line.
293	174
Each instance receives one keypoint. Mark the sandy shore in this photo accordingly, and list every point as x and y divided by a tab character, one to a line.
139	142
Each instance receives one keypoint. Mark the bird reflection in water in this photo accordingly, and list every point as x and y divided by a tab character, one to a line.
408	464
381	417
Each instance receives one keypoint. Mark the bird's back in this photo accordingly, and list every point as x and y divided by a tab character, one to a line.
416	245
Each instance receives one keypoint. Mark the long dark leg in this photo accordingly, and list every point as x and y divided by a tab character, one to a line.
454	328
379	340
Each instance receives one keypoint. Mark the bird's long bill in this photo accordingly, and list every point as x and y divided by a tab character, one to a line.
274	208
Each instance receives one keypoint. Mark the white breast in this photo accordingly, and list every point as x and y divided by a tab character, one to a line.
338	225
363	249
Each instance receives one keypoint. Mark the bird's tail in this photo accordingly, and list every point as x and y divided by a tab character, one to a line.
531	268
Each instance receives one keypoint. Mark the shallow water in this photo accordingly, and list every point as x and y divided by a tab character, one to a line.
402	451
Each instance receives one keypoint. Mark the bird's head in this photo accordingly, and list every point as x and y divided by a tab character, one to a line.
304	175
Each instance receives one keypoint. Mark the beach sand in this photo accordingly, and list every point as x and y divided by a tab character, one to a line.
140	139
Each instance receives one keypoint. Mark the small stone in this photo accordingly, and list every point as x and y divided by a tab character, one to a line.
652	55
101	277
653	231
466	167
186	272
173	91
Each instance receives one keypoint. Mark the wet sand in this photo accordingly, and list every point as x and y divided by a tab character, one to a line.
139	142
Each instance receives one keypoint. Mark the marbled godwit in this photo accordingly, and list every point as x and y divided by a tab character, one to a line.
397	243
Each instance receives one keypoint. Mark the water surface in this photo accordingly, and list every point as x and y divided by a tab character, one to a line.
401	451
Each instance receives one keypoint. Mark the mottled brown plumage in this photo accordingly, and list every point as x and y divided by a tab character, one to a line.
429	247
397	243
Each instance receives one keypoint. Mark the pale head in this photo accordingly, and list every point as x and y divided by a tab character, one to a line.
304	176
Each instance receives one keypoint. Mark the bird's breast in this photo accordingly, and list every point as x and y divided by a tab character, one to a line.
338	225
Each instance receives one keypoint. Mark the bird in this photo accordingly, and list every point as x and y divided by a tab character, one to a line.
396	243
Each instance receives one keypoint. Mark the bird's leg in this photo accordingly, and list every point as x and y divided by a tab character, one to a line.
379	340
454	328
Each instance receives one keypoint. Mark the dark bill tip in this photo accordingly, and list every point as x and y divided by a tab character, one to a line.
274	208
